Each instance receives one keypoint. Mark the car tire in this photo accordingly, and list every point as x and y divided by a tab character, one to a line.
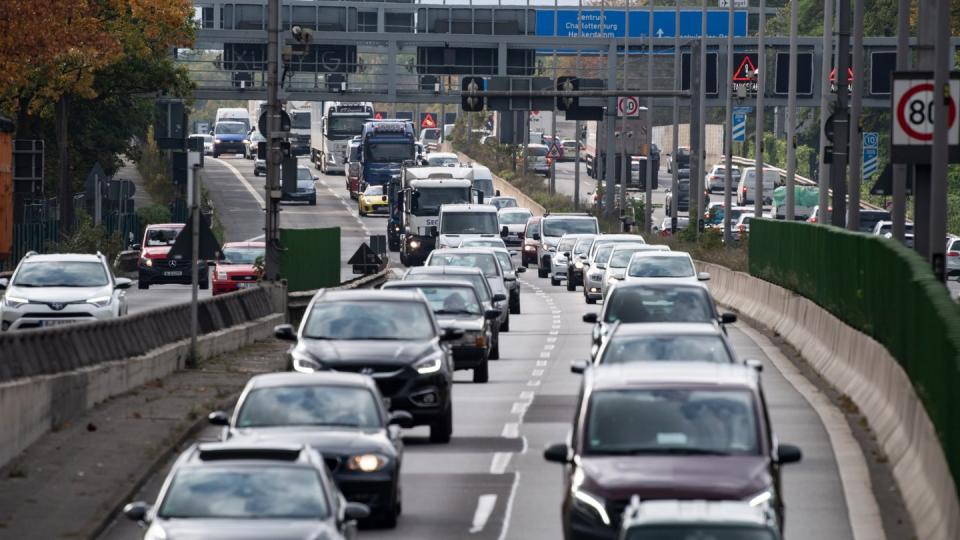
589	300
515	306
554	281
256	172
216	155
204	285
481	373
495	349
542	272
361	212
313	202
525	264
505	327
442	429
142	284
571	286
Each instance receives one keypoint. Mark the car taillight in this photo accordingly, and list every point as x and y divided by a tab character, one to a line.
744	190
953	254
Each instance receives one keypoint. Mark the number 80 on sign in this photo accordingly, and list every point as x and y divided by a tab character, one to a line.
913	109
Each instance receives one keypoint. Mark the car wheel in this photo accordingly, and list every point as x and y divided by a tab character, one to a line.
215	155
481	373
313	202
571	286
525	263
554	281
442	429
590	301
256	172
542	272
495	349
505	327
142	284
515	306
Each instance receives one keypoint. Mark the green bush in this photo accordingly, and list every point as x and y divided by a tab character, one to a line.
89	238
156	213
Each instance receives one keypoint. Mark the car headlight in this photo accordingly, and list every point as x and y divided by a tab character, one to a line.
414	244
760	499
146	261
367	463
578	265
222	276
217	140
430	364
100	301
14	302
305	364
591	505
529	248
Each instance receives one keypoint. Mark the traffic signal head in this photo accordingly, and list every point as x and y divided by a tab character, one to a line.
567	84
471	103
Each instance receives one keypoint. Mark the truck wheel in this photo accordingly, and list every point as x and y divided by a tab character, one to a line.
571	286
515	306
142	284
481	373
495	349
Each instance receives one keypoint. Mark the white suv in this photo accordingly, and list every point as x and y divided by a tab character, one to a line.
51	290
552	228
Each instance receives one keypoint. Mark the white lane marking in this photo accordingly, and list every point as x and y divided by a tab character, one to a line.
537	373
498	465
545	354
485	506
541	363
256	194
549	346
554	332
526	395
552	339
510	430
509	510
519	407
533	383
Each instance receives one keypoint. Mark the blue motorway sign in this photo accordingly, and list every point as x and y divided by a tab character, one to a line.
739	127
871	154
613	23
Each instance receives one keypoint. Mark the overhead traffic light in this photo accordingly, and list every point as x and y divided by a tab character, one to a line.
471	103
567	84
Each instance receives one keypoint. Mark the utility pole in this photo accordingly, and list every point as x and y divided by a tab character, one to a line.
272	228
824	179
856	133
841	119
194	173
676	121
792	113
626	166
943	59
926	61
648	187
697	220
553	126
696	142
611	130
761	89
900	169
728	133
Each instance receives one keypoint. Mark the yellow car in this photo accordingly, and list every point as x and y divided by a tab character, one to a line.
373	200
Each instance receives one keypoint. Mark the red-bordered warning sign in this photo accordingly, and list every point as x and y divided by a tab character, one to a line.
378	116
747	72
427	121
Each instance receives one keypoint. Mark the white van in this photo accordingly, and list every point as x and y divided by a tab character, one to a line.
460	221
483	182
748	184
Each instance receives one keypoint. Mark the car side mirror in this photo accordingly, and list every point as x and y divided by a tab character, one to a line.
497	193
504	231
566	254
579	366
121	283
135	247
728	318
354	511
451	334
491	314
557	453
434	232
757	365
285	332
519	269
788	453
499	297
136	511
401	418
536	236
218	418
703	276
590	318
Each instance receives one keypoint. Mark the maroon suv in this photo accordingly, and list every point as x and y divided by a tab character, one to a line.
667	430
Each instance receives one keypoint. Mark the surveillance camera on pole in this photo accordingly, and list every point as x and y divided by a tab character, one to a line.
301	34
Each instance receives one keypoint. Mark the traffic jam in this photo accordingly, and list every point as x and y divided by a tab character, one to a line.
670	438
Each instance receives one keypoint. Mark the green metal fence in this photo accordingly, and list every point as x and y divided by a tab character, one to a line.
311	258
882	289
31	237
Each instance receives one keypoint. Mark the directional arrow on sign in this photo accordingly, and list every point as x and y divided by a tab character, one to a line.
659	32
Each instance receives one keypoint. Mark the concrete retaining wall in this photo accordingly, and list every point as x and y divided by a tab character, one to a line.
862	369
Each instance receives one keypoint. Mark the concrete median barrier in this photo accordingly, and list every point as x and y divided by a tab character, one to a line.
48	377
863	369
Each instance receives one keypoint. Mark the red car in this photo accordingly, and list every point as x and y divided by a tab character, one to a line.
238	266
528	253
154	268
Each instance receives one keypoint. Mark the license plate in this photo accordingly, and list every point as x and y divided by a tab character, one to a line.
55	322
173	273
245	285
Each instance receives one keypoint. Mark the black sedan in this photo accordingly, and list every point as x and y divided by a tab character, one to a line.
391	336
343	416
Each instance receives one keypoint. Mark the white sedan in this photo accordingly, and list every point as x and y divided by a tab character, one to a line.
663	267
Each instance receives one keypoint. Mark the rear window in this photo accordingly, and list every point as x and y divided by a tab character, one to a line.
537	151
655	304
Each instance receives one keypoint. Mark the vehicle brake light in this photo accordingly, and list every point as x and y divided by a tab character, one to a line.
953	254
744	190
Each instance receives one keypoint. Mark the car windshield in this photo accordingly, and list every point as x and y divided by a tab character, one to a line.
374	189
655	304
353	320
230	128
477	280
300	120
560	227
672	421
537	151
241	255
430	134
514	218
161	237
482	242
257	137
624	349
486	262
661	267
429	200
621	256
504	203
869	220
304	175
583	246
392	152
503	258
469	223
698	532
442	161
261	492
309	406
344	127
61	274
451	300
603	254
566	244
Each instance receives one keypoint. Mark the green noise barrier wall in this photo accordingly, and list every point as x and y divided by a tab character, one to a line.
882	289
310	258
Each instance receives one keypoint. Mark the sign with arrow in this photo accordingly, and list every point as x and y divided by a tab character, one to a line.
365	260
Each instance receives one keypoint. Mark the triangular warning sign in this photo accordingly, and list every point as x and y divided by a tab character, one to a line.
833	75
378	116
747	72
364	256
428	121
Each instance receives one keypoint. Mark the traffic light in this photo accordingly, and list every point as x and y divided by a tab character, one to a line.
471	103
567	84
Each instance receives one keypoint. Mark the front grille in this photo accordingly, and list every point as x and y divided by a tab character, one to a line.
243	277
389	385
55	315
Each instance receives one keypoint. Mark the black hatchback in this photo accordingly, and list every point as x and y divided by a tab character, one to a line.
391	336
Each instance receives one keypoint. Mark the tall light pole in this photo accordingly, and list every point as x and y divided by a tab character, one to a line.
761	89
792	112
900	169
697	220
648	187
824	176
943	54
841	118
272	227
674	180
728	132
856	133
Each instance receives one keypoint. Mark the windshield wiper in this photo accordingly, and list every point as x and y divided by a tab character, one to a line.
455	312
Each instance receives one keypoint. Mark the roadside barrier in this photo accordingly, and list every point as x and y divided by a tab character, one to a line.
867	314
297	301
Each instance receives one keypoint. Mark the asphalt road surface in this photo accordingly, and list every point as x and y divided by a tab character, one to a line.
492	482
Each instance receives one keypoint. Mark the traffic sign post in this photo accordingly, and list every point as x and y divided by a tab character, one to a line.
628	106
911	138
871	152
739	124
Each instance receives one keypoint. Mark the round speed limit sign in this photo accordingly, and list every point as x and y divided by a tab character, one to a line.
913	105
628	106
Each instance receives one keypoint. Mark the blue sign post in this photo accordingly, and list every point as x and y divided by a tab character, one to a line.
612	23
739	123
871	153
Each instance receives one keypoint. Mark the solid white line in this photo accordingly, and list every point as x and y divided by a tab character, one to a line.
256	194
485	506
510	430
509	511
498	465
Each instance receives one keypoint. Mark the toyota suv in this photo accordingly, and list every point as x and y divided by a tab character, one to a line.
552	228
665	430
50	290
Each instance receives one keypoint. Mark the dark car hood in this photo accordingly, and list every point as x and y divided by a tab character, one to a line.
248	529
676	477
328	440
374	352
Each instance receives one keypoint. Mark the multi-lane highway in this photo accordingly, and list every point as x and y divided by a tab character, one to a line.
491	481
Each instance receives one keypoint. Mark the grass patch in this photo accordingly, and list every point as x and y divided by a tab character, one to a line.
709	247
